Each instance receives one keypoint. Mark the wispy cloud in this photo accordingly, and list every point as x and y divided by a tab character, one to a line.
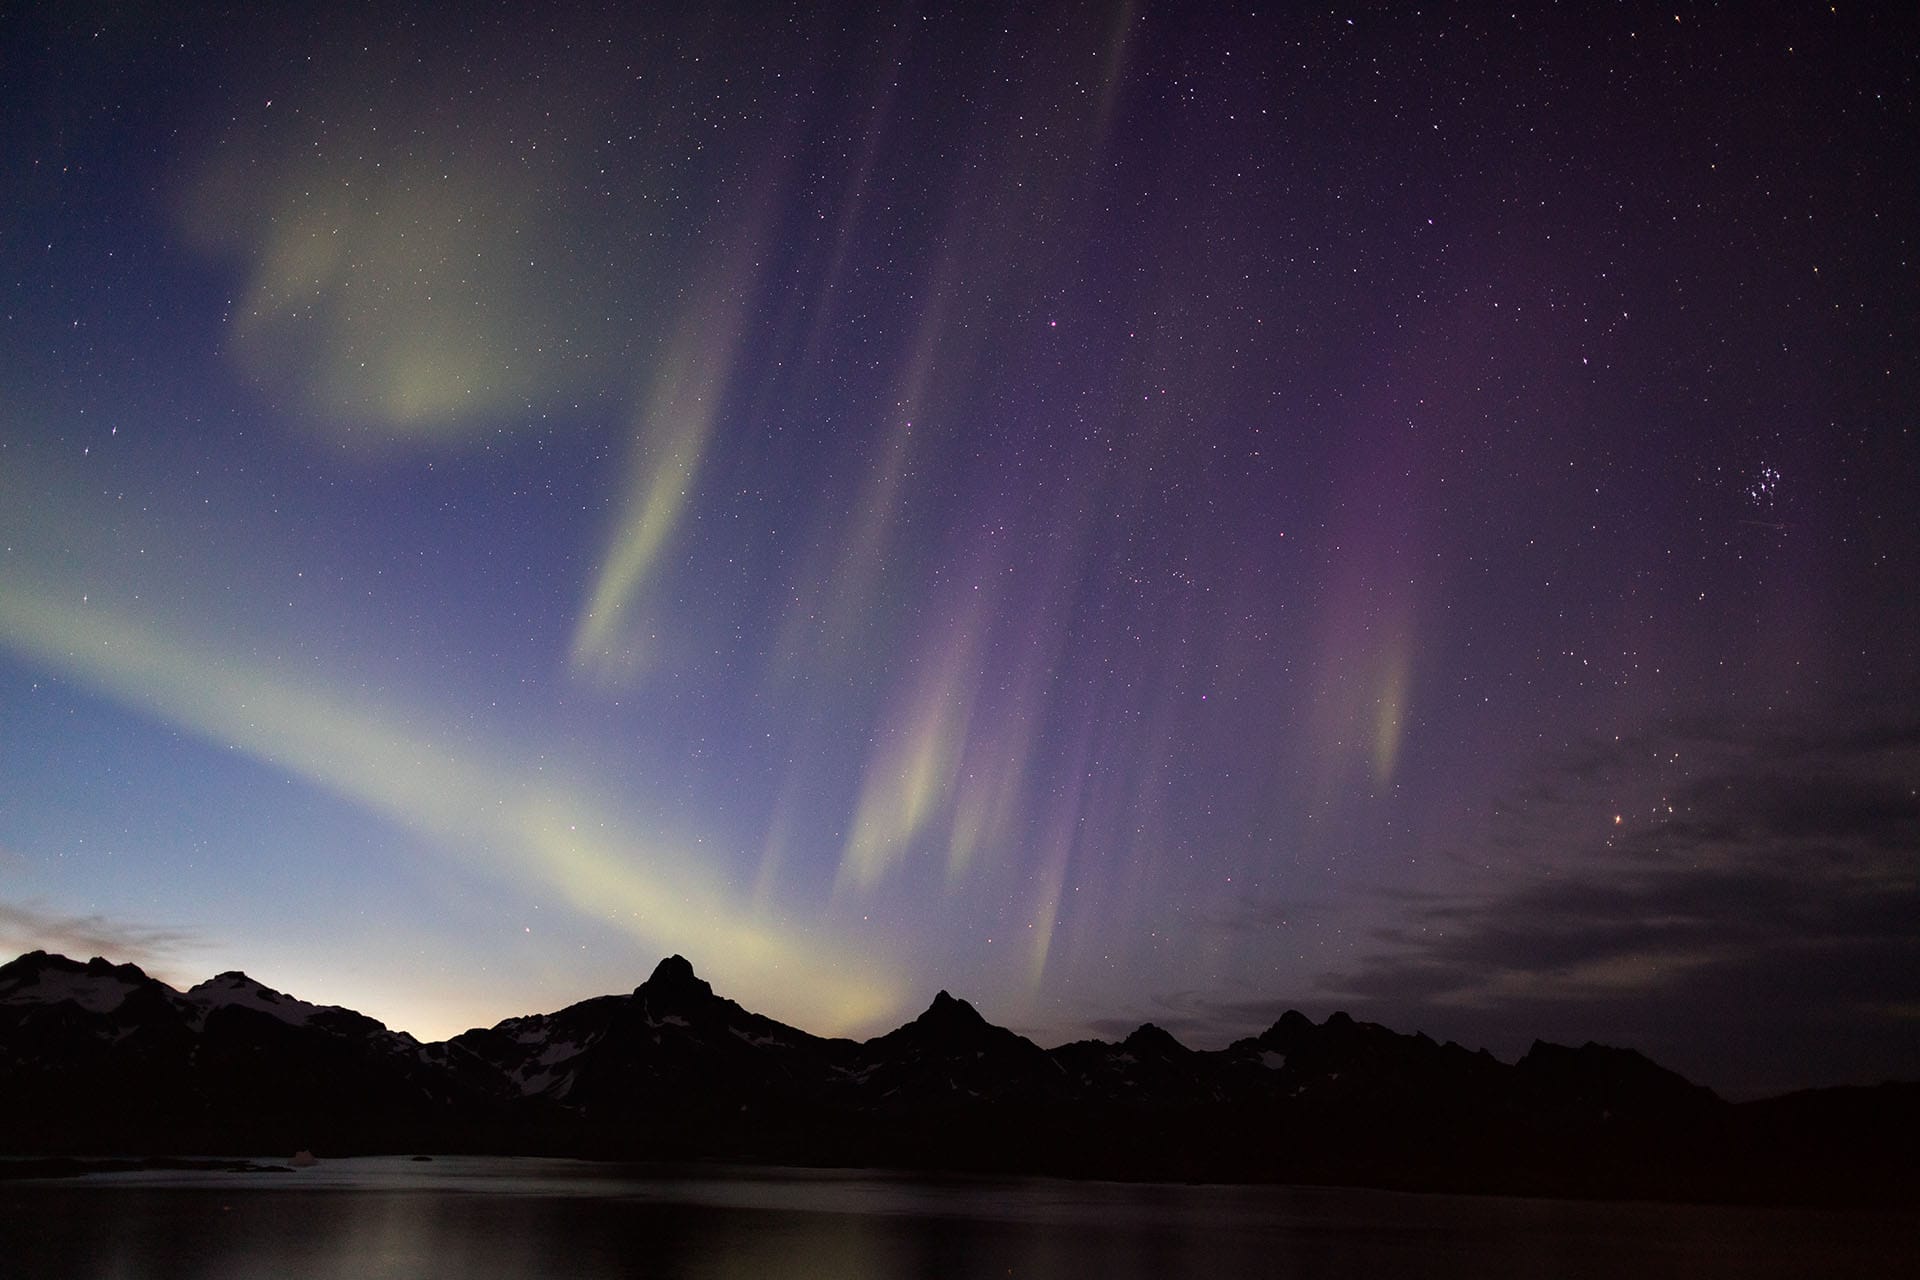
25	927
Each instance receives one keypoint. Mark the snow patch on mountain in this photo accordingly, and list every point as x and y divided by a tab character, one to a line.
237	990
558	1052
96	993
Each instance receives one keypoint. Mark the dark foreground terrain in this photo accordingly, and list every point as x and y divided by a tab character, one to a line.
98	1058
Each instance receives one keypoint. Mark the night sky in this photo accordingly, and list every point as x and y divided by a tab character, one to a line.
1129	511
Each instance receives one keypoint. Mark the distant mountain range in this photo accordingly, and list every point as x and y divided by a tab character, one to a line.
98	1058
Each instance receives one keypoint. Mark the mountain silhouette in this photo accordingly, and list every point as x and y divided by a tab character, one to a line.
101	1058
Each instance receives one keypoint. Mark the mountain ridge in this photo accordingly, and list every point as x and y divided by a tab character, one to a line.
97	1057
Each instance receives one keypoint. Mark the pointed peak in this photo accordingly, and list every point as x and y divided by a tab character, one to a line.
675	969
1148	1036
1291	1023
674	978
947	1010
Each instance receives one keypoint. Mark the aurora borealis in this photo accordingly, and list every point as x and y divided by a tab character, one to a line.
1124	511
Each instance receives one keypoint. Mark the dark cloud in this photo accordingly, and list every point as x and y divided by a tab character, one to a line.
1760	931
1758	928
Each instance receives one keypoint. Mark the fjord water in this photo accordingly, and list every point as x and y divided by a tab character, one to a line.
477	1218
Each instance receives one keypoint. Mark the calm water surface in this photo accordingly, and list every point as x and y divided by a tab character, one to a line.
479	1218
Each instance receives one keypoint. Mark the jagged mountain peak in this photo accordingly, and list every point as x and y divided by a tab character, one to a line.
1288	1033
236	988
674	982
232	980
43	977
947	1025
34	962
1148	1037
1610	1076
947	1010
100	966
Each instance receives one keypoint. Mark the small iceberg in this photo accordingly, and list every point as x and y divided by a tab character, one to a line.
304	1159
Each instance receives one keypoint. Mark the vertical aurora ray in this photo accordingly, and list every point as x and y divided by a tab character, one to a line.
672	435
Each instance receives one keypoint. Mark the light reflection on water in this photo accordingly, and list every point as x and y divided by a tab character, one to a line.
478	1218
